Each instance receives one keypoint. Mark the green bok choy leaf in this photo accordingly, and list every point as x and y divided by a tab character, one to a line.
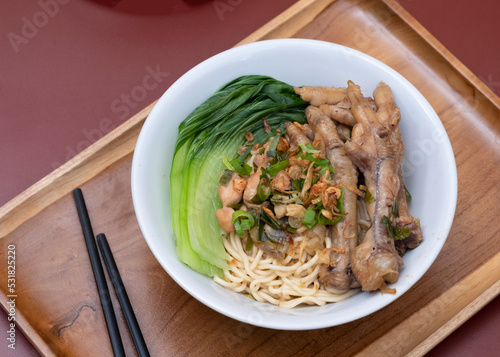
213	131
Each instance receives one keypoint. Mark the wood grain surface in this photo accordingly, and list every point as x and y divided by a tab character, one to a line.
58	306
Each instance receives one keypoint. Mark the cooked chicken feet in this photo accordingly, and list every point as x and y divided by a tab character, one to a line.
377	150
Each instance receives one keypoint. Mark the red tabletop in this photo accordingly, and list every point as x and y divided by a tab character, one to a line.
72	70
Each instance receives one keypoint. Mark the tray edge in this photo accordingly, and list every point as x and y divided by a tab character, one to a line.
73	173
448	56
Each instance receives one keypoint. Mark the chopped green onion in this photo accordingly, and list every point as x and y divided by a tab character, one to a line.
263	191
401	233
246	224
368	197
238	166
280	156
243	169
322	163
331	222
317	161
242	221
298	184
237	206
395	232
274	169
309	220
249	244
317	207
290	229
226	177
329	167
239	230
266	218
263	188
308	148
408	195
340	202
255	199
227	163
388	226
261	235
271	152
340	206
395	207
324	221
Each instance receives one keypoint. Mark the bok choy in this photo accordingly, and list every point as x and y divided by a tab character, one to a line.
212	132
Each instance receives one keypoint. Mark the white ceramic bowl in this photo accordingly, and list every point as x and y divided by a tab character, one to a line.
429	170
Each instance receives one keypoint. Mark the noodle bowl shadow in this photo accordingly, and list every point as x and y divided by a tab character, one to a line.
432	179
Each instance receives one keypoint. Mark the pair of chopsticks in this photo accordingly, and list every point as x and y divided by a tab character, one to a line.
102	286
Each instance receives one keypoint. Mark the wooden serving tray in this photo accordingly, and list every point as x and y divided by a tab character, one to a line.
58	307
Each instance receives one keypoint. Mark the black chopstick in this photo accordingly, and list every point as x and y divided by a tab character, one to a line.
121	293
100	279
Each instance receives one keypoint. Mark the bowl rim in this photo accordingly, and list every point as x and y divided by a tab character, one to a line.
270	44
